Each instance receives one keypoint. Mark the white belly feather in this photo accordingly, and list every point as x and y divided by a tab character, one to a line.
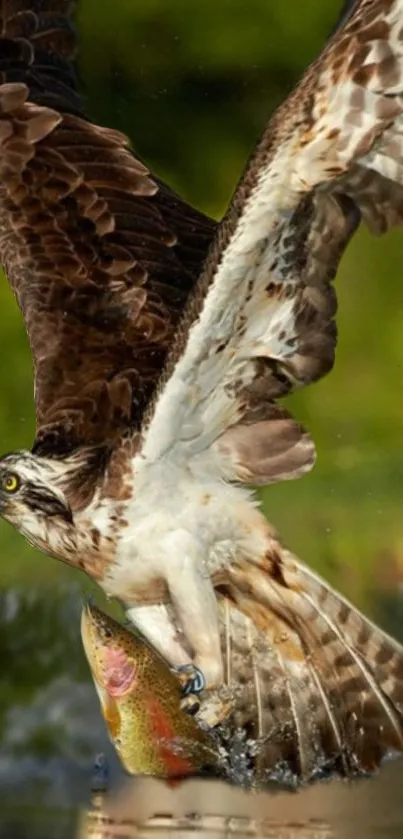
181	532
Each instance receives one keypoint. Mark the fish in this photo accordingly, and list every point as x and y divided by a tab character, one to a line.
141	702
280	716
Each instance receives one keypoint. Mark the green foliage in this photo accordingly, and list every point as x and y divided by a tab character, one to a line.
193	85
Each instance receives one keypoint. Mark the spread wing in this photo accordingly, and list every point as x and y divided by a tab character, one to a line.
261	320
100	254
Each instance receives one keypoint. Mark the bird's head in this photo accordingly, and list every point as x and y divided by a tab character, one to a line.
30	494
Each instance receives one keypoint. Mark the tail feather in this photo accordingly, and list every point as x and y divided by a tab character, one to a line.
291	722
317	686
357	674
369	721
264	707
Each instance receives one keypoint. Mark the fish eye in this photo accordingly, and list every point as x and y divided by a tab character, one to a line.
10	482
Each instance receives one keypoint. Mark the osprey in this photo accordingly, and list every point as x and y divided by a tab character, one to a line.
161	345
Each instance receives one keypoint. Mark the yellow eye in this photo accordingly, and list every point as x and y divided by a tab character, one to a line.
10	483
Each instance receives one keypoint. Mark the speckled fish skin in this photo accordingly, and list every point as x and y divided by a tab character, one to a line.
140	701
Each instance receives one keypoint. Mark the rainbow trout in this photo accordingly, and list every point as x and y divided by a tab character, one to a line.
140	701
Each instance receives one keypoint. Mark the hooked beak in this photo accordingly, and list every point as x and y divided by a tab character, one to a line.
10	509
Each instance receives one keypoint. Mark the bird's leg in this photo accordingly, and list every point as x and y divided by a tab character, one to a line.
157	623
194	600
194	616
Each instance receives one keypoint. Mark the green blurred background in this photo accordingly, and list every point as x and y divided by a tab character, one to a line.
193	84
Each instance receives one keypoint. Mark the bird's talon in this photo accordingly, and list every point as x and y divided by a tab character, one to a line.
190	704
191	679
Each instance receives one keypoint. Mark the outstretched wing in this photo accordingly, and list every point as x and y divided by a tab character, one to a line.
261	320
100	254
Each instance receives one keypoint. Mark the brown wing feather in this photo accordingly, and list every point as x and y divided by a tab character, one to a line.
100	255
37	46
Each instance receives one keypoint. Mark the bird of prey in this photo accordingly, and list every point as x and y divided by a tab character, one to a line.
161	345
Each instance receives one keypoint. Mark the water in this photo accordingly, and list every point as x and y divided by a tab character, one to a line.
149	808
51	729
338	810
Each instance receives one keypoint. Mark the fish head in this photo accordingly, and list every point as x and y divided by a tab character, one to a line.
109	651
141	702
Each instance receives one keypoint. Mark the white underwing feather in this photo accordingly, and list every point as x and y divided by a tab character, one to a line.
264	321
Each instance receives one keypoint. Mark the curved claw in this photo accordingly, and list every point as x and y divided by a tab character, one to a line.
190	704
191	678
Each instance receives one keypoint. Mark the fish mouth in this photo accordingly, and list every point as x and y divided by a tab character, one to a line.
96	627
88	633
91	636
